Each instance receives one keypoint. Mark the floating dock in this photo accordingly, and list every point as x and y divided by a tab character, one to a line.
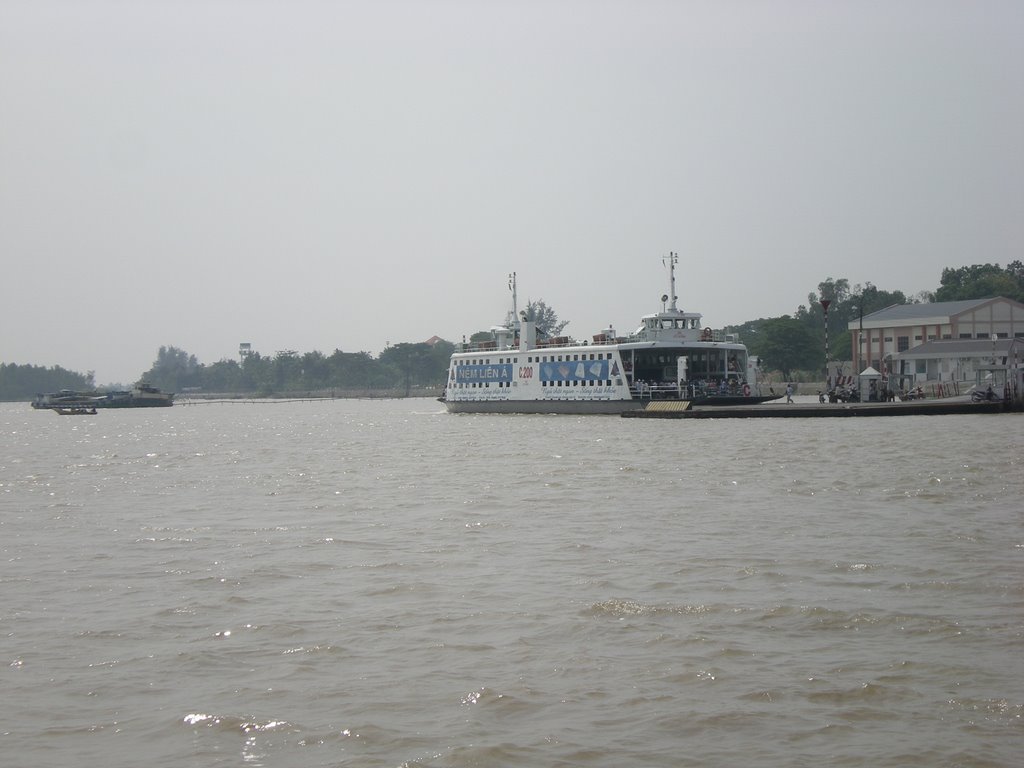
683	410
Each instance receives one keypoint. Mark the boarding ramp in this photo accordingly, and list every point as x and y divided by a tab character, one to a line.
665	406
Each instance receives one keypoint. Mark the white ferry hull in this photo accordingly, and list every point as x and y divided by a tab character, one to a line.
670	357
589	407
579	407
582	379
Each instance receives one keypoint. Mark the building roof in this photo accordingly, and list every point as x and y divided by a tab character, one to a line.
936	313
922	311
963	348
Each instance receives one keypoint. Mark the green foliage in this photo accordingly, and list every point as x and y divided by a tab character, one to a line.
785	344
846	305
173	370
417	365
23	382
402	366
982	281
545	318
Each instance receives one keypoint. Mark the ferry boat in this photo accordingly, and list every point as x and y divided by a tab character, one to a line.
70	402
670	357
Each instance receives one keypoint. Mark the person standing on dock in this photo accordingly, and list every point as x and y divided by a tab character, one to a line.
789	393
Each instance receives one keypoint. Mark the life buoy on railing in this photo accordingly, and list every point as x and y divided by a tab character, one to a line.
746	390
706	335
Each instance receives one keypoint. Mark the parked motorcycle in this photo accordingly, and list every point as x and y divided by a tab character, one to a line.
984	395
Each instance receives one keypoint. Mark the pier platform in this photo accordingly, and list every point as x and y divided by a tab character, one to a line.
824	410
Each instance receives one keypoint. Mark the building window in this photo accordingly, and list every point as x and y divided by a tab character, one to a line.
902	343
965	335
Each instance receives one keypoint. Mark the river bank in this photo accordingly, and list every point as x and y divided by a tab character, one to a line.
323	394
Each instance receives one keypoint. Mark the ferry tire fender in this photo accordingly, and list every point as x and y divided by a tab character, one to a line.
746	390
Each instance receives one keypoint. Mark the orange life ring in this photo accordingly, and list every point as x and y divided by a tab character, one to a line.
746	390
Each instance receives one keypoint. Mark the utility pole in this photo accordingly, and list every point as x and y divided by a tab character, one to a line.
824	306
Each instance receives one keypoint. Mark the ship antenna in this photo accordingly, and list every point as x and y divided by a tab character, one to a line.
512	287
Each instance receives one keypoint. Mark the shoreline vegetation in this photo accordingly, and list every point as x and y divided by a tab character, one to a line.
197	398
204	398
789	347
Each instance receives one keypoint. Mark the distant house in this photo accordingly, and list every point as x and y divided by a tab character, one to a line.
433	340
912	341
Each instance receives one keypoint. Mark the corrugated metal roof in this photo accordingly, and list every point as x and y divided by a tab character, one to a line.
919	311
962	348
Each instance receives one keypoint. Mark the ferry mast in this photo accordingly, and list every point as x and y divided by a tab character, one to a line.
673	259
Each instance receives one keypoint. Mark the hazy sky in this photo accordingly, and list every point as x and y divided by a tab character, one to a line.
339	175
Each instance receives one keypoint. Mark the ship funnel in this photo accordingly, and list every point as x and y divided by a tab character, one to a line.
527	335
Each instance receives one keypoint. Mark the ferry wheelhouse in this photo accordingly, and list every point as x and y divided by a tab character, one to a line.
670	357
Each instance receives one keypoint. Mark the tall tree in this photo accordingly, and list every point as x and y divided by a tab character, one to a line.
173	370
408	363
785	344
982	281
545	318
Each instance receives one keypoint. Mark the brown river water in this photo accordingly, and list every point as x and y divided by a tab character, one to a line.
379	583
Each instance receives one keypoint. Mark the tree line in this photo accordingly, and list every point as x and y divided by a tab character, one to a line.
19	382
403	367
788	344
795	342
